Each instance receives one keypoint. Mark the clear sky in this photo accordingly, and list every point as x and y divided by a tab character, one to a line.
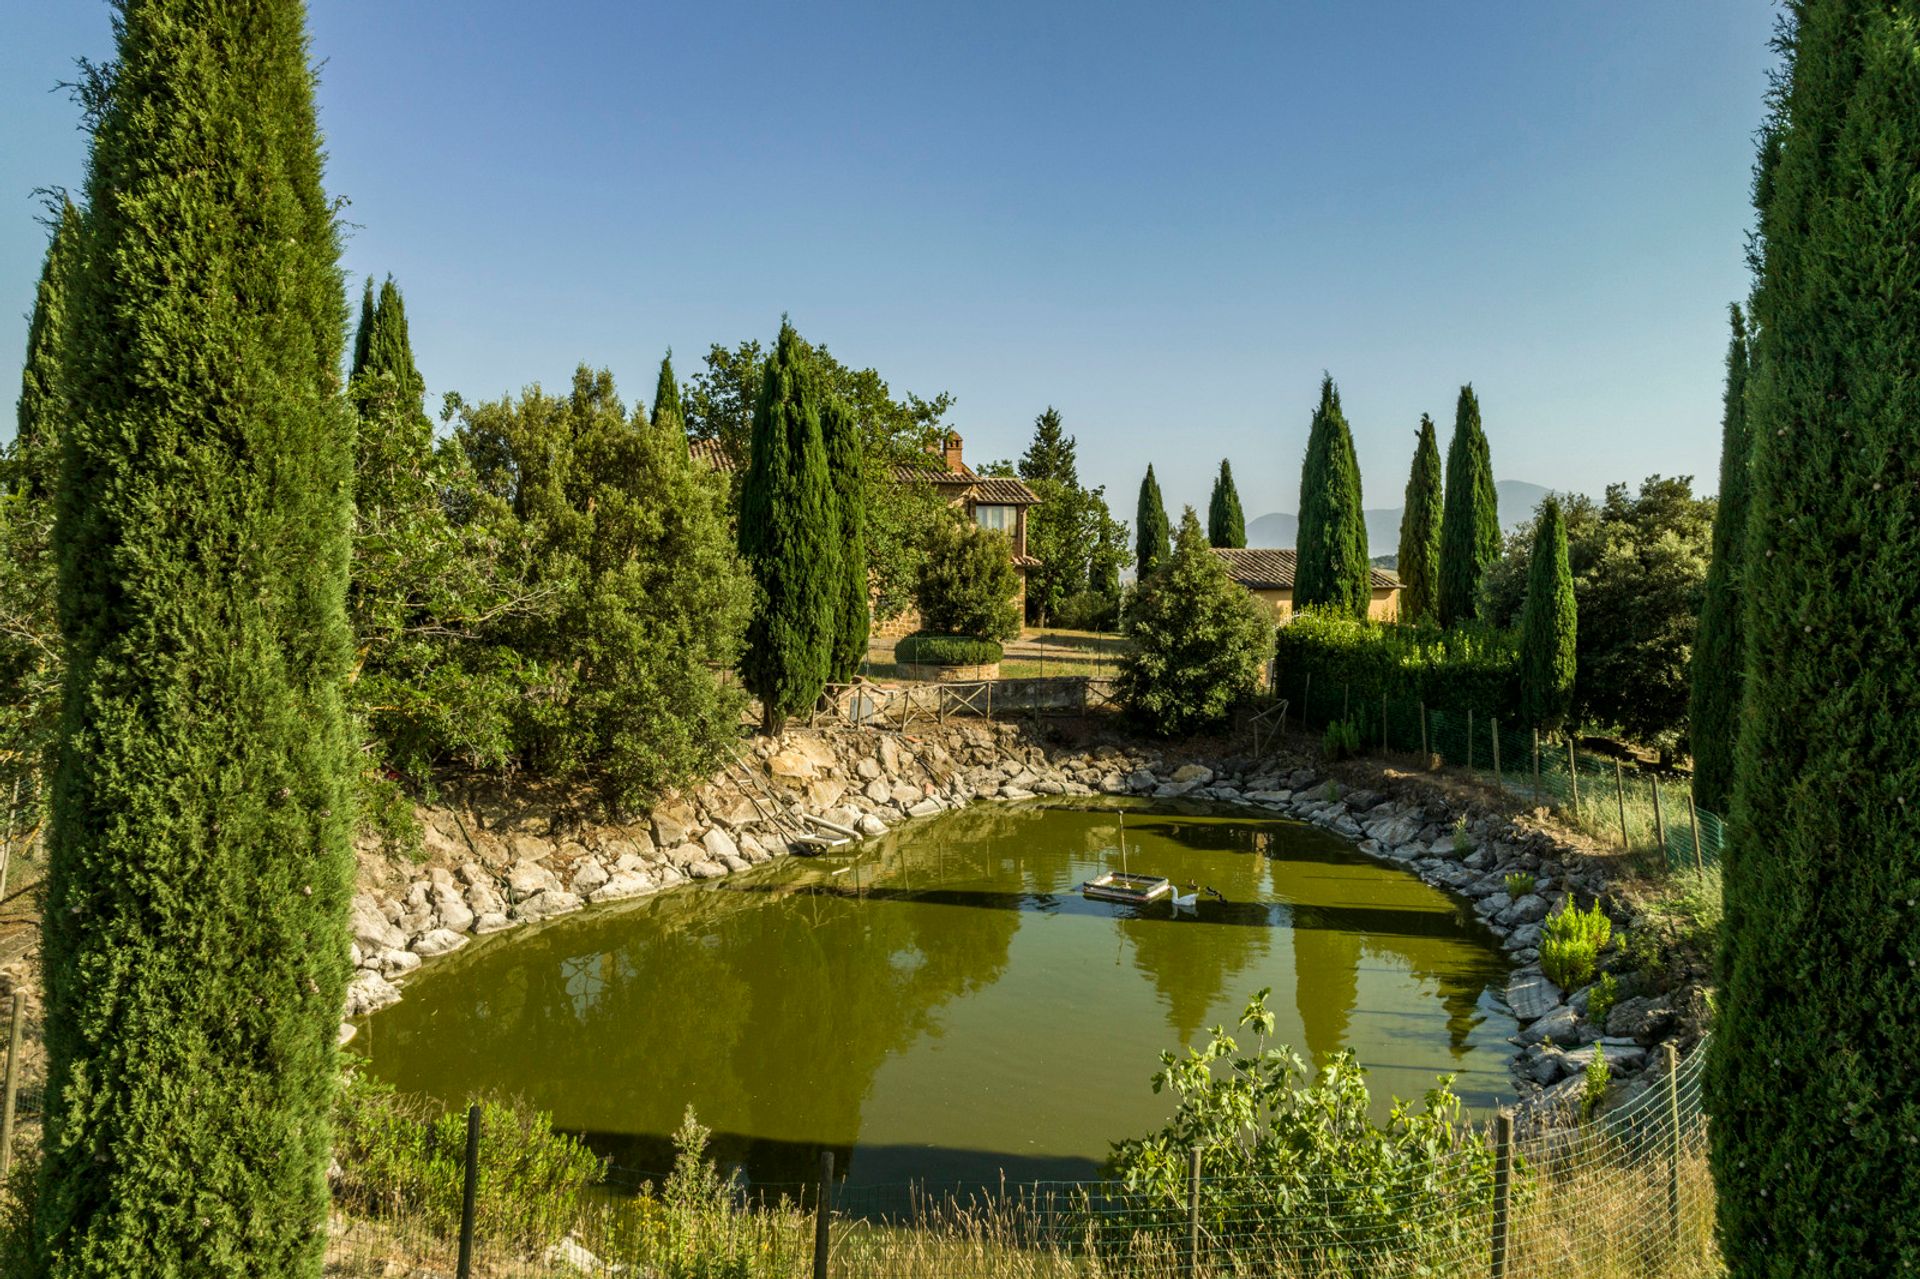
1165	220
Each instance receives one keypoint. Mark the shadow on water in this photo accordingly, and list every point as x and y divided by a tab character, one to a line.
943	1003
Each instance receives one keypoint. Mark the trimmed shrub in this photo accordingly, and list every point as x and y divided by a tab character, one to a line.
1571	942
967	583
1354	662
925	649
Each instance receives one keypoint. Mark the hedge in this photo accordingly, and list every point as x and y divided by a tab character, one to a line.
924	649
1353	662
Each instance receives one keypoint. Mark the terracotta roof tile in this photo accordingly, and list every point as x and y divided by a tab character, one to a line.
1260	568
997	491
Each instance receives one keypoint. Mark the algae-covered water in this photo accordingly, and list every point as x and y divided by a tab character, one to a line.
943	1004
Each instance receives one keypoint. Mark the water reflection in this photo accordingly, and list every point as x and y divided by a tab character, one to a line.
946	1003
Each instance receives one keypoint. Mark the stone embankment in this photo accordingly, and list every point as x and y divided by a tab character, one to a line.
496	863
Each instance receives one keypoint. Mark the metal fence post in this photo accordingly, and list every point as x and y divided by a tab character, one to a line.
1193	1214
13	1081
1502	1188
1659	818
1573	776
822	1213
1620	793
1693	818
1498	783
468	1193
1672	1060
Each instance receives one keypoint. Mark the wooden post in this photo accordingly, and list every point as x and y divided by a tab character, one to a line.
1693	818
1573	776
1502	1188
1659	818
1193	1214
1620	793
1469	739
1306	703
468	1192
821	1213
1536	768
13	1080
1346	701
1672	1060
1383	723
1498	784
1426	756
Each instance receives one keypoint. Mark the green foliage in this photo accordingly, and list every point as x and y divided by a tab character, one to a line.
1470	527
1469	668
1226	522
847	465
1519	883
719	405
1151	532
967	583
1341	740
194	936
1570	944
1080	546
926	649
1462	841
1548	626
1639	565
789	537
1593	1088
1333	571
1052	454
1418	562
1200	642
1295	1163
1601	999
667	413
1088	611
1714	708
401	1158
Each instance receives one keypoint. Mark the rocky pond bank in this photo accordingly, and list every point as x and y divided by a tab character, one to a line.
498	859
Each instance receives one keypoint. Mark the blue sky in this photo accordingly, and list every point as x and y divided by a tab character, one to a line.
1164	220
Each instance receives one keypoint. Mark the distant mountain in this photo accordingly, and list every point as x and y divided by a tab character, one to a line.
1517	502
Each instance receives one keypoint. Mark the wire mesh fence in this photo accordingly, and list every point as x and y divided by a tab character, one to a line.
1624	1194
1618	800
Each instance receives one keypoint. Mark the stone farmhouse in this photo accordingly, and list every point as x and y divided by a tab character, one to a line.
992	502
1268	573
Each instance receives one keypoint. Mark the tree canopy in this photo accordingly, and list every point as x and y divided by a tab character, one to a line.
1332	569
1718	659
1226	522
1470	525
1548	626
1418	562
1151	532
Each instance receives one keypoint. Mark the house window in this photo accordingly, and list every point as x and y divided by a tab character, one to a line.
998	518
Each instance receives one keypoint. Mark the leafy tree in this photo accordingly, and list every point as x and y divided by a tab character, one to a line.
1470	527
1226	523
1151	532
1548	624
790	538
1051	455
1420	523
1200	642
194	933
967	583
1332	566
847	464
897	434
1813	1119
1717	657
667	413
632	595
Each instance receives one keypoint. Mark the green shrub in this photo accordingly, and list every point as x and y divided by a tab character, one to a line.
967	583
1353	662
1296	1163
1342	739
1601	999
1462	841
923	649
1571	942
1519	884
399	1156
1088	611
1593	1092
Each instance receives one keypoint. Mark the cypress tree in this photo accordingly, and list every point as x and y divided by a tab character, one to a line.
195	934
1470	528
1226	523
789	536
1419	558
1548	623
853	606
41	408
1715	710
667	414
362	332
1332	569
1051	455
383	354
1814	1106
1152	534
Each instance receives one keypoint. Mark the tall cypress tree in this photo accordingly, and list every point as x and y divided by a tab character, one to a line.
789	536
1470	529
667	413
362	332
1332	569
195	931
383	365
1548	624
1813	1115
1420	523
1152	535
853	603
35	456
1226	522
1717	674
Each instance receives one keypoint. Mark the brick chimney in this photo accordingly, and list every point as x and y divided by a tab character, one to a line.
952	452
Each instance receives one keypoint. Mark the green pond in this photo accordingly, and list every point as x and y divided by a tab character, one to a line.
942	1004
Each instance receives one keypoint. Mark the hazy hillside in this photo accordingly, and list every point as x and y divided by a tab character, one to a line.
1517	501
